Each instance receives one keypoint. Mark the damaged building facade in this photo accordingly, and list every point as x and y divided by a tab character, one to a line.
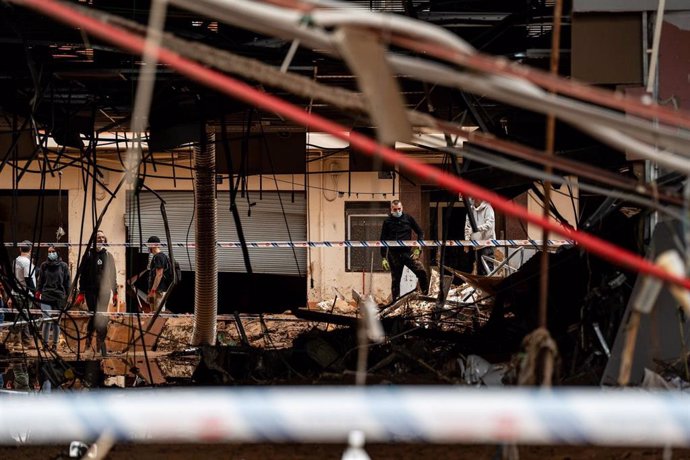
262	144
340	204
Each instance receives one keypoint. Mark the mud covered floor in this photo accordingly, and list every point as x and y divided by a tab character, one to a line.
335	451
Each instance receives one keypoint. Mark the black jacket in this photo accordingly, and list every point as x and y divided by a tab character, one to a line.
98	273
399	228
54	280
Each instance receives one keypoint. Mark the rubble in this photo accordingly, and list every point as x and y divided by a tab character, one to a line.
472	337
652	380
478	371
466	308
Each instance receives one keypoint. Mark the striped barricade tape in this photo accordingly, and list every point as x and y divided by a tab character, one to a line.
385	414
344	244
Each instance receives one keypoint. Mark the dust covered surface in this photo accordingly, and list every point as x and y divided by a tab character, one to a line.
334	451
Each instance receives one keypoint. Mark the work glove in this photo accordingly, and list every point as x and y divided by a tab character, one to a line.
151	298
37	295
80	298
416	252
386	266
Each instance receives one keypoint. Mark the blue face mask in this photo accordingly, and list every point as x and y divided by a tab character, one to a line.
396	214
52	256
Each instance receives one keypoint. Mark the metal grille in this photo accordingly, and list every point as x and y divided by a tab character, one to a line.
391	6
265	223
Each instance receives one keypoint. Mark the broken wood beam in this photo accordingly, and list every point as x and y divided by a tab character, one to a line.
311	315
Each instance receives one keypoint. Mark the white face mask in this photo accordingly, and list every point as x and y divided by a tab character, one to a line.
396	214
99	244
53	256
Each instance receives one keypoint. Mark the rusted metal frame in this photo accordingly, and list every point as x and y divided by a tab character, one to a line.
556	84
576	168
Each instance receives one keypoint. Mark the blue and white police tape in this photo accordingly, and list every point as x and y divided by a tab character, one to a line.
537	244
328	414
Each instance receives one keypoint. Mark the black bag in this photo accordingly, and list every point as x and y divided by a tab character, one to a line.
178	272
169	273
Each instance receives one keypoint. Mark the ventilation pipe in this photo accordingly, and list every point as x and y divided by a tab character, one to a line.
206	263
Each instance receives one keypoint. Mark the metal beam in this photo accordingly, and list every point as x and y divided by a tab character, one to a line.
616	6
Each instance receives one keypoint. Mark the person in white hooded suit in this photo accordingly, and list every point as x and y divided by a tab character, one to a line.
486	230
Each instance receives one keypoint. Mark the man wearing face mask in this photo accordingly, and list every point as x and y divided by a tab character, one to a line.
53	285
98	280
399	226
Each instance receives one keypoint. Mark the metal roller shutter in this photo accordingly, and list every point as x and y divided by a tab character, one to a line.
266	223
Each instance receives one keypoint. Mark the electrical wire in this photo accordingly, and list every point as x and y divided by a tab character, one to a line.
305	87
625	103
223	58
144	93
487	159
280	199
535	173
596	122
265	101
283	21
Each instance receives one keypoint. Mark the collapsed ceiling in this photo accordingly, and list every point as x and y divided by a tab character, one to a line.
63	82
68	82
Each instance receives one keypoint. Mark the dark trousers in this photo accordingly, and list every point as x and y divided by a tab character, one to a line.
51	326
478	253
98	322
398	261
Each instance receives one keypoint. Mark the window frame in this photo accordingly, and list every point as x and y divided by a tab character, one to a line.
358	209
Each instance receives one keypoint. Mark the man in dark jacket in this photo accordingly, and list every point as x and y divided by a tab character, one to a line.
98	280
399	226
53	285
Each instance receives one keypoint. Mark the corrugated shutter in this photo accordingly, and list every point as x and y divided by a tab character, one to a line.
266	223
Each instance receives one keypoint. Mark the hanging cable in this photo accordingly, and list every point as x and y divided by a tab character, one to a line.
280	198
308	88
265	101
233	192
481	156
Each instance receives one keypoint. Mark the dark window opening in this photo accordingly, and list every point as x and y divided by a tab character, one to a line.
34	216
455	257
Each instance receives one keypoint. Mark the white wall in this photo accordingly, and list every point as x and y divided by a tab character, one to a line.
326	215
561	201
72	185
327	223
113	223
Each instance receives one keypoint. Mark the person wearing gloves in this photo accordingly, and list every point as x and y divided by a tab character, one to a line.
98	280
486	230
399	226
53	285
159	280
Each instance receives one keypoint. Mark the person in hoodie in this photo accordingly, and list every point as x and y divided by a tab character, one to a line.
98	281
53	286
398	226
486	230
